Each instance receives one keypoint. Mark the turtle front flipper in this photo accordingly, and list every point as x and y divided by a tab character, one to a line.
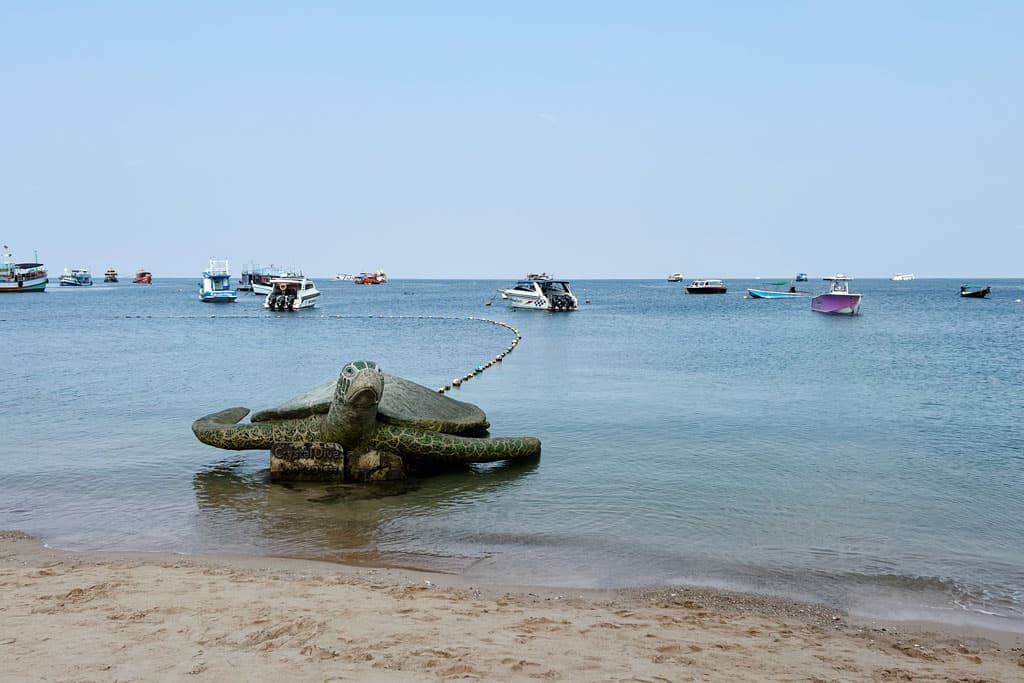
223	431
428	448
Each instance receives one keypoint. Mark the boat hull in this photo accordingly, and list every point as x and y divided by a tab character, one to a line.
768	294
222	297
32	285
537	302
836	304
706	290
976	294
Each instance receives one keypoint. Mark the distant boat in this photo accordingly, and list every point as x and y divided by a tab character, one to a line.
143	277
216	284
968	293
76	277
838	300
706	287
790	293
902	277
257	278
110	275
21	277
377	277
675	277
801	277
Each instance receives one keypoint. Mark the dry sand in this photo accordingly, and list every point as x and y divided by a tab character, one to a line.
142	617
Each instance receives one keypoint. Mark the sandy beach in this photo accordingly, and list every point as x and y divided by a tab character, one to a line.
117	616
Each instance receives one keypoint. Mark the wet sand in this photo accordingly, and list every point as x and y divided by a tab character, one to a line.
118	616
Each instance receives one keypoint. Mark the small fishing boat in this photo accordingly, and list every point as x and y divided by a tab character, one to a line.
675	277
706	287
968	292
378	277
21	277
838	300
790	293
143	277
801	277
902	277
110	275
540	292
76	277
291	294
216	284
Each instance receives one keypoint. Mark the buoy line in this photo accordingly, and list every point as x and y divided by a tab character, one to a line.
455	383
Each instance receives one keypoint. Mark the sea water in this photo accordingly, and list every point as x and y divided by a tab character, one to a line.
872	462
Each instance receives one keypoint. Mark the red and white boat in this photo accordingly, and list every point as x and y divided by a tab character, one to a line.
143	277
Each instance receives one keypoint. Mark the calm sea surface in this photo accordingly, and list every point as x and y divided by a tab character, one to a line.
875	463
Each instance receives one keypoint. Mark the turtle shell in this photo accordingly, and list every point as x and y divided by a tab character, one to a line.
402	403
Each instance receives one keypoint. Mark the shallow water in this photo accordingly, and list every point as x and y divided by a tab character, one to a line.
872	462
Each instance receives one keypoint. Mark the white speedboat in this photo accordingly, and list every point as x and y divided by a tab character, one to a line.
675	277
216	284
902	277
291	294
540	293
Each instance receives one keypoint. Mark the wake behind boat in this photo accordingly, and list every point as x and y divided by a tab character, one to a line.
21	277
540	292
838	300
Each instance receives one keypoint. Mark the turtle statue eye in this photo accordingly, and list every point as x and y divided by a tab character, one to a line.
349	371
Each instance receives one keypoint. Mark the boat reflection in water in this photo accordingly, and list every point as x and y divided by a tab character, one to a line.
375	524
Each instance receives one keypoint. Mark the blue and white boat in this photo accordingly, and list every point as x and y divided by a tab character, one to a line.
216	285
76	277
790	293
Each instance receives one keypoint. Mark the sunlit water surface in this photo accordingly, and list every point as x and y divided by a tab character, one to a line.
873	462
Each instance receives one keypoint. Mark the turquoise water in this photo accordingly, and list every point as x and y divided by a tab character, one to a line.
874	463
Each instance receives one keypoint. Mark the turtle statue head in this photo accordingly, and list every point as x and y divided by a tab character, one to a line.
354	408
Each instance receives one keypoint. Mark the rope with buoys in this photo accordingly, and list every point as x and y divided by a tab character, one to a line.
455	383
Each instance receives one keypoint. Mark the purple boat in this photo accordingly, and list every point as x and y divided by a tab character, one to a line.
838	300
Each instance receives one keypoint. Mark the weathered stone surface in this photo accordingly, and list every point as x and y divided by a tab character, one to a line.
307	459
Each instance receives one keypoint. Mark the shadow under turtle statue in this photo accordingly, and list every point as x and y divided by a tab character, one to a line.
384	424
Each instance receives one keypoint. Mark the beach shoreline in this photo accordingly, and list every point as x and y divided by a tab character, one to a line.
144	616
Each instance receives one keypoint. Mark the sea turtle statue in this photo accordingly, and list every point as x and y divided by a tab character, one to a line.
384	424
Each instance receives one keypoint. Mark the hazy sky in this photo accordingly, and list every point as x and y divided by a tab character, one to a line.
485	139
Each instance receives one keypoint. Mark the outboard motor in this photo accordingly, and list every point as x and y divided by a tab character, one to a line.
289	301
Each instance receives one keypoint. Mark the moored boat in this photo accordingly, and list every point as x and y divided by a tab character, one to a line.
540	292
259	279
902	277
838	300
110	275
968	292
790	293
21	277
143	277
801	277
216	284
706	287
76	277
378	277
291	294
675	277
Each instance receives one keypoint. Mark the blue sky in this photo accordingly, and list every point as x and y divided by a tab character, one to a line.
723	139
